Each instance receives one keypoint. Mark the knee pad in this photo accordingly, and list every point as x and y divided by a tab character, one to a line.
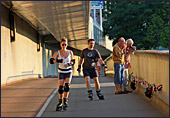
60	90
66	87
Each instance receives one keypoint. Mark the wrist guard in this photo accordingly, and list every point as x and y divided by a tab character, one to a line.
51	60
59	60
79	67
73	62
69	64
104	65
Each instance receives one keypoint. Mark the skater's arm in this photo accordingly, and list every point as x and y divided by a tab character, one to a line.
99	58
72	55
81	58
55	55
80	61
102	63
72	59
79	65
53	58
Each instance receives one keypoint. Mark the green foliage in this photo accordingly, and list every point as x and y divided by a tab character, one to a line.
147	23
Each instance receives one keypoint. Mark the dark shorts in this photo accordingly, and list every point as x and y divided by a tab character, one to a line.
64	75
90	72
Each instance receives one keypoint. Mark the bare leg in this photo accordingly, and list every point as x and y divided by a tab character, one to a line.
66	93
87	79
96	81
89	90
61	83
59	105
97	86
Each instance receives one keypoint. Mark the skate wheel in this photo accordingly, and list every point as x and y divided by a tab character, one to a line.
64	108
59	109
101	98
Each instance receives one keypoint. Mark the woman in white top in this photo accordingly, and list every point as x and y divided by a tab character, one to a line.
65	59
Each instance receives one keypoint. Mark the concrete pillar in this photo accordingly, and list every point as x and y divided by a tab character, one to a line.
101	19
44	60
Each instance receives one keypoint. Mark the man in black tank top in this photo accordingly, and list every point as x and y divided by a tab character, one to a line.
91	56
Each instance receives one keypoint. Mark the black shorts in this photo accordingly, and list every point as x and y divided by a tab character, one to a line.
64	75
90	72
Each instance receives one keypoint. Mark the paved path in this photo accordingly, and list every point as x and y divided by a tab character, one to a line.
124	105
26	98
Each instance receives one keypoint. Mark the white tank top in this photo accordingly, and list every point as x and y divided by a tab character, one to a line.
65	61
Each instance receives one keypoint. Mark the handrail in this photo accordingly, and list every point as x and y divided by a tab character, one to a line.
39	75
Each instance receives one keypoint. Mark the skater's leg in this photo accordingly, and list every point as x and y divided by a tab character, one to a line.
67	87
60	91
96	82
66	90
97	86
89	90
66	93
87	79
90	94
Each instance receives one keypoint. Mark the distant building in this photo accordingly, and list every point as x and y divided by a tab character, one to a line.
96	13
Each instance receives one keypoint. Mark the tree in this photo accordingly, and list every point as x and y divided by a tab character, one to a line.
140	21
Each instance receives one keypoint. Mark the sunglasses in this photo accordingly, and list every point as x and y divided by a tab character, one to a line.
63	44
91	43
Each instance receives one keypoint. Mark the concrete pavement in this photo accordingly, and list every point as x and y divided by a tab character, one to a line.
26	98
124	105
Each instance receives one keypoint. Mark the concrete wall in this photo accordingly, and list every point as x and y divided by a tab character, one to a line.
90	30
19	59
108	43
153	67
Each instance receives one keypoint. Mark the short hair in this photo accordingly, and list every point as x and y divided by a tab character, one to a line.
130	41
121	39
64	39
91	40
